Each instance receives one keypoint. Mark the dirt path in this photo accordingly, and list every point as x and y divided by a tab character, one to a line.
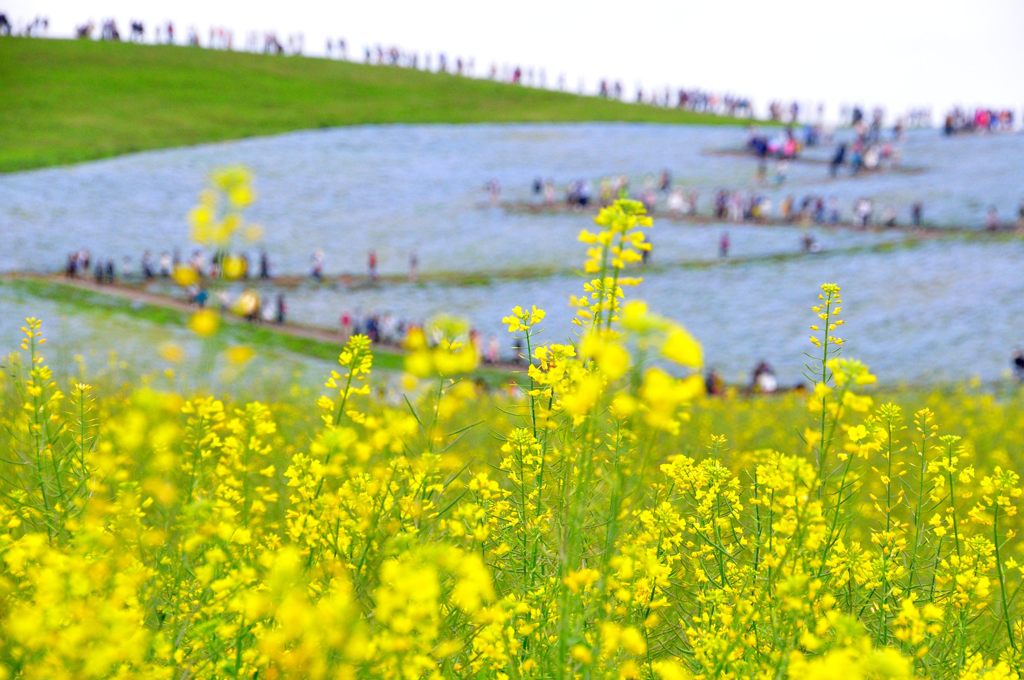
886	168
924	230
136	288
135	293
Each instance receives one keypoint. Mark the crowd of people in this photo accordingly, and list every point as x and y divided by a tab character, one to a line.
579	193
389	329
271	42
981	119
689	99
957	120
166	33
763	381
150	266
870	150
37	27
81	264
783	145
381	328
863	155
249	304
752	207
660	196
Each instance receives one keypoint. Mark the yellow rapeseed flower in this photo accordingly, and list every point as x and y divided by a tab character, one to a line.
240	354
204	323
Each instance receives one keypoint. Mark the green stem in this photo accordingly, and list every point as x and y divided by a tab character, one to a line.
1002	578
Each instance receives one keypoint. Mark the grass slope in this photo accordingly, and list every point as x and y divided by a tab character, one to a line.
69	101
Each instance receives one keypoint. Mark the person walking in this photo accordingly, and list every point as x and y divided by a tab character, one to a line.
264	265
281	310
837	160
992	219
1018	364
318	265
372	265
916	213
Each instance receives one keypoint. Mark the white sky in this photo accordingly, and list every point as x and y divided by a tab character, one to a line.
896	53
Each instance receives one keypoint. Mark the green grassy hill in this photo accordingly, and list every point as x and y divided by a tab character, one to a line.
66	101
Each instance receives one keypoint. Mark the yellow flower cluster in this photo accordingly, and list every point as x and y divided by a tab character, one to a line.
217	219
620	242
597	522
441	348
523	320
621	239
217	222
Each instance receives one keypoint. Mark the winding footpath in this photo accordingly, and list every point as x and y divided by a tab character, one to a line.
137	295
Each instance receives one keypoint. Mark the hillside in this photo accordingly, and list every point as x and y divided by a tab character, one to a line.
69	101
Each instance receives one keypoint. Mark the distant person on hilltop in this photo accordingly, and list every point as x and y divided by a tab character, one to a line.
5	25
110	31
1018	365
